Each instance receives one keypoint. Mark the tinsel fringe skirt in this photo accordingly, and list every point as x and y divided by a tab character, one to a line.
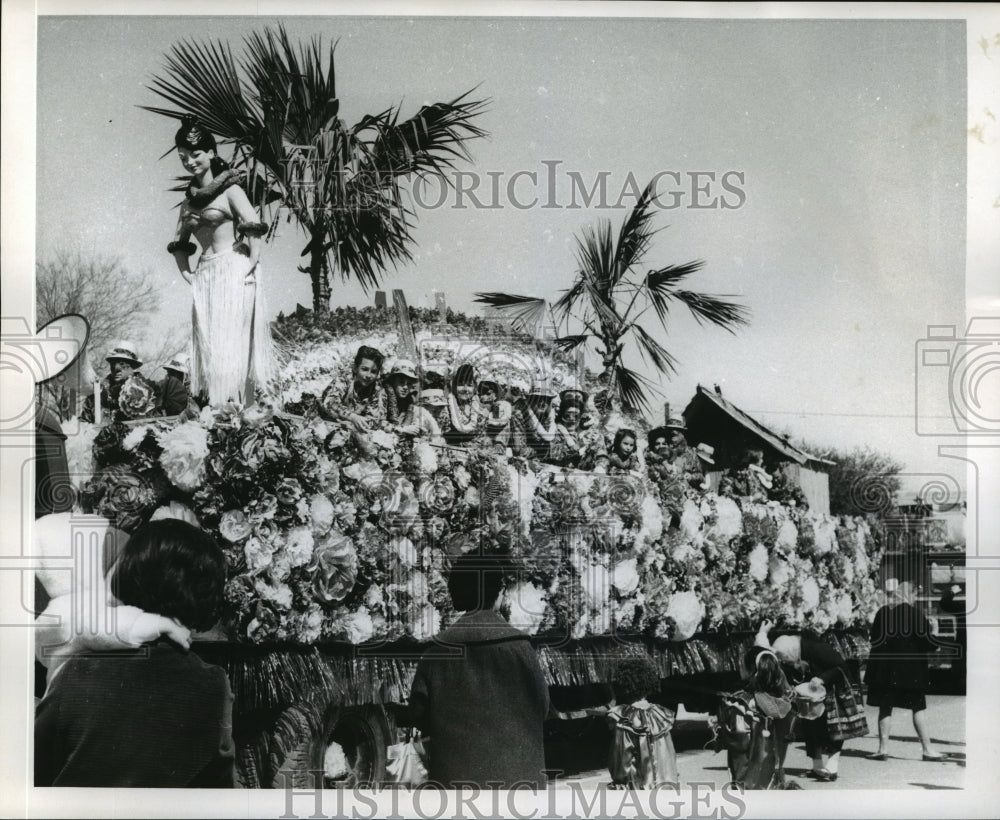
233	353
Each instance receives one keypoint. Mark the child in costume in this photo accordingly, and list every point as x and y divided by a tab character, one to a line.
642	750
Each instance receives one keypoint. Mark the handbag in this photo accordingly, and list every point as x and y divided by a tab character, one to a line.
845	718
407	761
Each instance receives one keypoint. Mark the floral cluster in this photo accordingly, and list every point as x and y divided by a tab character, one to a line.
331	535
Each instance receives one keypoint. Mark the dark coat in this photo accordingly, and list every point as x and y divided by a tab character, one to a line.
153	717
54	491
173	395
901	643
829	665
482	700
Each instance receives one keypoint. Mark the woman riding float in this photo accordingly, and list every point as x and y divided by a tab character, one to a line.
233	351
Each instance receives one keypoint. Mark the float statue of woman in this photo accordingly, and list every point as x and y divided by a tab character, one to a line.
233	353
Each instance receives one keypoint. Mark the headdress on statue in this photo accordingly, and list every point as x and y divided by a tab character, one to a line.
193	136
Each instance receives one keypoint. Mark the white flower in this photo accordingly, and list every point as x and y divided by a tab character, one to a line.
299	546
335	764
810	594
461	477
183	458
134	439
844	608
374	597
321	512
80	453
381	438
729	520
426	623
687	612
787	534
691	519
524	486
758	562
427	460
258	554
405	551
626	577
360	627
781	573
278	594
825	534
652	521
526	603
596	584
233	526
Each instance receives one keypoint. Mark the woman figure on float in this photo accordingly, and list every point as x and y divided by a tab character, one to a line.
233	353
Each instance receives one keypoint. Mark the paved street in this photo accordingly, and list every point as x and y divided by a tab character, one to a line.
903	770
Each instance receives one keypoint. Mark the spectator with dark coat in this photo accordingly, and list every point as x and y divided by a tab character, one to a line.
174	393
897	673
156	716
479	692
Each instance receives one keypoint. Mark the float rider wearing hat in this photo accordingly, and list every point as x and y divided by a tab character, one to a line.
533	423
123	364
674	465
174	393
403	409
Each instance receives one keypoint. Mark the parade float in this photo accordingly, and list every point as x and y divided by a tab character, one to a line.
338	548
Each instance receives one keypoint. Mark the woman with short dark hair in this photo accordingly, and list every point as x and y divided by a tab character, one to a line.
156	716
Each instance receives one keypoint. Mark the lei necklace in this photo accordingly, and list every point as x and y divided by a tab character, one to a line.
200	197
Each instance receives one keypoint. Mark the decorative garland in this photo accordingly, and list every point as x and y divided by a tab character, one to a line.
200	197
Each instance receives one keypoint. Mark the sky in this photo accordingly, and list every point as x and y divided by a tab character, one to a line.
850	138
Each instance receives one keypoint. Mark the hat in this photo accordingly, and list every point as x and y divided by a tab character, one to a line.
520	384
809	699
674	423
488	378
705	452
434	397
178	363
542	387
403	367
573	396
657	432
123	351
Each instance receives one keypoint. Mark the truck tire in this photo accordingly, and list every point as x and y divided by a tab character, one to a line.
363	734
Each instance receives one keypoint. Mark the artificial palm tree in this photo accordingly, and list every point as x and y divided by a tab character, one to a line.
609	298
278	108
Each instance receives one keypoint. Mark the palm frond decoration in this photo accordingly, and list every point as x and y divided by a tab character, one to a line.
571	342
344	186
609	298
525	313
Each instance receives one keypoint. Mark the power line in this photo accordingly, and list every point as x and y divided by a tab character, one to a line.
848	415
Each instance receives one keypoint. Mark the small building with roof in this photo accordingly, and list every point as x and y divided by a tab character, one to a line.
712	419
